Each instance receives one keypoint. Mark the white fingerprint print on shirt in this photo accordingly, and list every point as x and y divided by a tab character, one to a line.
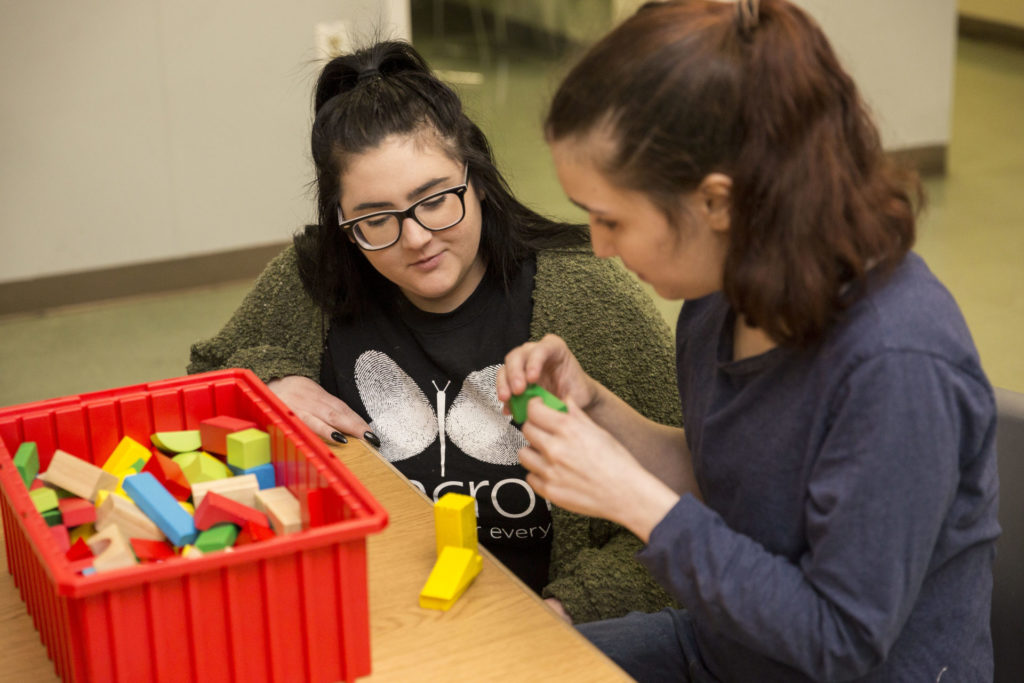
402	417
407	423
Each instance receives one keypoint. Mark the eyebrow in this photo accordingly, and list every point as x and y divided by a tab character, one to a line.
429	185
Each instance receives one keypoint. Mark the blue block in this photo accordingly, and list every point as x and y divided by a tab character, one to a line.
161	507
265	477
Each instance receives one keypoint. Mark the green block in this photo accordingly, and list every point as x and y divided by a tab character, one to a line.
52	517
517	404
201	466
217	537
248	448
26	459
177	442
44	499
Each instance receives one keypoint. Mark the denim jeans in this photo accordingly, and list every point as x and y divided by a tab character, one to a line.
651	648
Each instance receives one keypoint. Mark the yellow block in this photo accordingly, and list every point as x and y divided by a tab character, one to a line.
454	570
126	457
455	522
200	466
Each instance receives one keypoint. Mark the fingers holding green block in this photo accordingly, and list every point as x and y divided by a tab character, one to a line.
517	404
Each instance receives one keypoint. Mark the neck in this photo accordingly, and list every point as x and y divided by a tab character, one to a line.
749	341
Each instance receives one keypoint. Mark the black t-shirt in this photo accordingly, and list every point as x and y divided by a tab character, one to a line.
425	383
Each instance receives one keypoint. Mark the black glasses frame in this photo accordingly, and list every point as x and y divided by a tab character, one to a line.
401	214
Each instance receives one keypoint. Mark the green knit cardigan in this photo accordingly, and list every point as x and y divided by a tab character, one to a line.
611	326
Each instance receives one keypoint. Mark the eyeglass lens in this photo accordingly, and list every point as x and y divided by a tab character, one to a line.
434	213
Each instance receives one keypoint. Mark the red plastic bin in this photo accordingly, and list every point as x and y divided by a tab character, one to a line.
292	608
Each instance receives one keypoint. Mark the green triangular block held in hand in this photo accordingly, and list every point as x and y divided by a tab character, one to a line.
517	404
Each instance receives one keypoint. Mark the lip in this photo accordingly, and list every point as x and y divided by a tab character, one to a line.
428	263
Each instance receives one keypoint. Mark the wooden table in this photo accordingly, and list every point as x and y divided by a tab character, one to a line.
497	631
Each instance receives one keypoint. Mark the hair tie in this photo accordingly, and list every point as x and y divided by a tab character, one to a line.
747	16
367	74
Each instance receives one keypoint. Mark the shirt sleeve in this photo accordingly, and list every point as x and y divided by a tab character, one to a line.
881	486
276	331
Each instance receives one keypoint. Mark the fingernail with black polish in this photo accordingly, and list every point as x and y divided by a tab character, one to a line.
372	438
339	437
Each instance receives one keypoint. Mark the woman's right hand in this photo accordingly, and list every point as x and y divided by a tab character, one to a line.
321	411
551	364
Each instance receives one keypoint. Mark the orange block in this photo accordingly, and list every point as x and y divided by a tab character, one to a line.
214	432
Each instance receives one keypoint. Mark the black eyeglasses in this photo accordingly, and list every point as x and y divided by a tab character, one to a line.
435	212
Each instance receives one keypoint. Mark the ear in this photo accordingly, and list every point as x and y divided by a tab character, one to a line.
715	191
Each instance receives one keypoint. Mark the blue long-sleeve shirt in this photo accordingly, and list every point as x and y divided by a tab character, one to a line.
850	495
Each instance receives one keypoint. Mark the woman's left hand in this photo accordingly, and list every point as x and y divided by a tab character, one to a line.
579	466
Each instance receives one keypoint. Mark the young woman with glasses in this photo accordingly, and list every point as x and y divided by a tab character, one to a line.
830	511
390	318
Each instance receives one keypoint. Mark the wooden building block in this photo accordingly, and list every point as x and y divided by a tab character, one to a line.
126	515
177	442
51	516
217	537
81	532
454	570
60	534
26	460
266	474
161	507
111	549
44	499
253	533
151	551
77	476
76	511
216	509
518	403
241	489
78	550
248	448
126	456
169	473
282	508
455	522
199	466
214	431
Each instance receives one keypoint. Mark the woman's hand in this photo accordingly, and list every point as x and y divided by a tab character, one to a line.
579	466
556	605
321	411
549	363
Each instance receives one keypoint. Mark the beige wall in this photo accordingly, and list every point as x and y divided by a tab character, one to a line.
138	130
1010	12
901	54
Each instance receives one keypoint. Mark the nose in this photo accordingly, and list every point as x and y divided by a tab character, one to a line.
414	235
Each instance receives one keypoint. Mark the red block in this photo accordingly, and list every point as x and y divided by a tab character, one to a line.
169	473
79	550
76	511
216	509
214	432
60	533
150	551
253	533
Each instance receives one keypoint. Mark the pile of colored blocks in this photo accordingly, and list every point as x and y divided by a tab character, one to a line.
192	492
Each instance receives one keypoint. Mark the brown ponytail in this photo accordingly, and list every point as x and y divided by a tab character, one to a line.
752	90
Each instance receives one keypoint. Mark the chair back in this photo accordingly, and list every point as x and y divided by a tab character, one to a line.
1008	586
